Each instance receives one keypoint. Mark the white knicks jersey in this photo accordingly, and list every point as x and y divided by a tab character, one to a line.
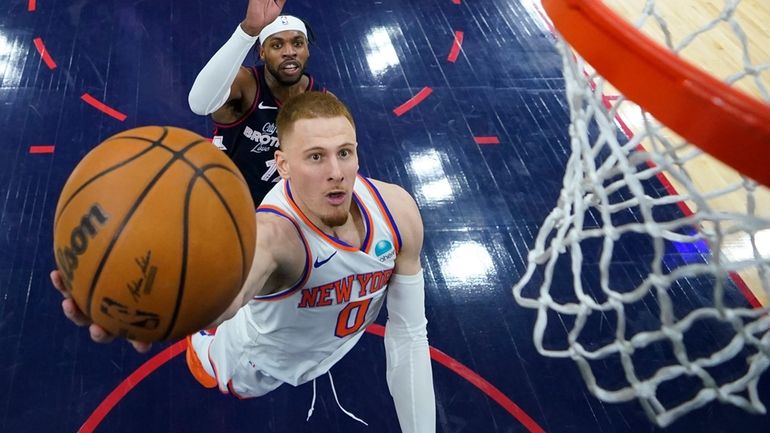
298	334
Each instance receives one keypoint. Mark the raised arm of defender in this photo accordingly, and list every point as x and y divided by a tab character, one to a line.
223	81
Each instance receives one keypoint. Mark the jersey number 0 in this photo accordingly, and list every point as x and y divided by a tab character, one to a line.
352	317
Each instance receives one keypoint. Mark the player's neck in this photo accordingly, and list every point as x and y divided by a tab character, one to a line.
351	232
283	92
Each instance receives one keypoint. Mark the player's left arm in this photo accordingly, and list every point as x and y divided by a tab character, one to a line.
409	374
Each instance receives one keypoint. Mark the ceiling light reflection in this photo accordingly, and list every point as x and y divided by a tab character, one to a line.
427	164
431	182
10	62
381	54
439	190
467	261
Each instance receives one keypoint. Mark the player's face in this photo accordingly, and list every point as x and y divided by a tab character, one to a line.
319	157
285	55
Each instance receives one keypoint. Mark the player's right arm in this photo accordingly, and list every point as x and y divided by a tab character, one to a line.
223	88
279	260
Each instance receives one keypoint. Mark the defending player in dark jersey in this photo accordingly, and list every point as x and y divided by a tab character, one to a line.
252	140
244	102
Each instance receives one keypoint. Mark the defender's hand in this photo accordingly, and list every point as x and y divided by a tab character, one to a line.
260	13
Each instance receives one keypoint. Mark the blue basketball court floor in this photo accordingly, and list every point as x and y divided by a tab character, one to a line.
460	101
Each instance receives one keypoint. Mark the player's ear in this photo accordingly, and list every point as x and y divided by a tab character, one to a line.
282	164
261	53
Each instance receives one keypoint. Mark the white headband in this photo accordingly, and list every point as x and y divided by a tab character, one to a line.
282	24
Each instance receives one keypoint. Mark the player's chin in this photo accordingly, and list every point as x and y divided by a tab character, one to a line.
335	217
290	79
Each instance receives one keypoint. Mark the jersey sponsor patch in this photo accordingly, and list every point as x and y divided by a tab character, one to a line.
384	250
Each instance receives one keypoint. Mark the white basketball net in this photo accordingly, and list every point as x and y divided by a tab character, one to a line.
638	293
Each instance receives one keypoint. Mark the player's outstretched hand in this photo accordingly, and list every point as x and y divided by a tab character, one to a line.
72	312
261	13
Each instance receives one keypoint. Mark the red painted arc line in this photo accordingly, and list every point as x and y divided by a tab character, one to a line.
31	5
41	149
44	53
101	106
129	383
487	388
479	382
457	2
456	47
175	349
487	140
416	99
734	276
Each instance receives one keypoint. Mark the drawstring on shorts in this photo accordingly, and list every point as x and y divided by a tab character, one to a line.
334	391
312	404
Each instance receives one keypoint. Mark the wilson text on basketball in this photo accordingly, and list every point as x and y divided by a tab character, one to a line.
87	229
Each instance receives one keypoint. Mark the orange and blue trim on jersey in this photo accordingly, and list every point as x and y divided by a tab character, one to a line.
308	259
392	226
368	222
337	243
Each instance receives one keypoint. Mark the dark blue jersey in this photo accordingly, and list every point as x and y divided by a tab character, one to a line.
252	140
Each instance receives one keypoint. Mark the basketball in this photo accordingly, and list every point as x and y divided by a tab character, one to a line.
154	233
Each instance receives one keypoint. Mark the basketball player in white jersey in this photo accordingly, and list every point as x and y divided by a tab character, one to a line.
332	248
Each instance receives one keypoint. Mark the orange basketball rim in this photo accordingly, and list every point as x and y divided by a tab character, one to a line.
721	120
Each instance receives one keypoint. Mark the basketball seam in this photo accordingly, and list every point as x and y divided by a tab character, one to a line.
244	265
177	156
106	171
185	247
240	178
201	173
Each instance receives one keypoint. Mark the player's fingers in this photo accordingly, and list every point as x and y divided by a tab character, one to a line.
99	335
58	282
140	346
72	312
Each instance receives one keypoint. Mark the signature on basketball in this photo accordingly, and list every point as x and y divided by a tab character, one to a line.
143	284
